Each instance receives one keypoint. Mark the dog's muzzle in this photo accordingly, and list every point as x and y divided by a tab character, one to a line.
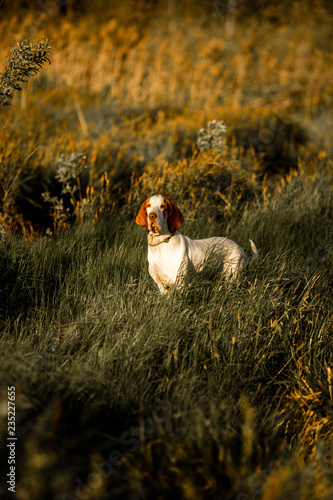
154	228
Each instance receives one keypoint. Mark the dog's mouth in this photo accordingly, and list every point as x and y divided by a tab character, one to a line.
154	229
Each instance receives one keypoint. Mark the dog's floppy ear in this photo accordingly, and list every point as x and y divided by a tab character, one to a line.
175	217
141	218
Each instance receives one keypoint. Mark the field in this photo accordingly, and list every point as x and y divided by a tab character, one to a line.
215	391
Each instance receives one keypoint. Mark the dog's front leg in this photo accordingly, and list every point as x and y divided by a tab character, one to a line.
163	283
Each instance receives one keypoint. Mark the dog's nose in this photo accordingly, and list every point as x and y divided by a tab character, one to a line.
152	216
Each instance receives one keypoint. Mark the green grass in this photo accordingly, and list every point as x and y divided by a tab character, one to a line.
214	391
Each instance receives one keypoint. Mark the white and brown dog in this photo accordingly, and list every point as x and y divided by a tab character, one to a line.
171	255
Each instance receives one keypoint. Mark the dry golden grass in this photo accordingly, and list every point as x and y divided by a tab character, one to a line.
132	90
283	62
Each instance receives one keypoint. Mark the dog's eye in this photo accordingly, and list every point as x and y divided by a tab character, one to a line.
163	206
148	206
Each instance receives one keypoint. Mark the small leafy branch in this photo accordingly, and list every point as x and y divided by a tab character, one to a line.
26	61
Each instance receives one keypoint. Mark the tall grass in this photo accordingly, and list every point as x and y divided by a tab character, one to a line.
133	90
213	390
147	59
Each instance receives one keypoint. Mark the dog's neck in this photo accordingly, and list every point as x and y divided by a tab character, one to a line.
157	239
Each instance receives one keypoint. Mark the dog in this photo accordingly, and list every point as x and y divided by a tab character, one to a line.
171	255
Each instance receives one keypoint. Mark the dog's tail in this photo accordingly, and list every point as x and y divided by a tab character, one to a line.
254	252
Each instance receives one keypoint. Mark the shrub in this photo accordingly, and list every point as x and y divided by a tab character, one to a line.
218	182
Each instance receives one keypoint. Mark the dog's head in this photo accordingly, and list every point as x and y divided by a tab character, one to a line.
159	215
